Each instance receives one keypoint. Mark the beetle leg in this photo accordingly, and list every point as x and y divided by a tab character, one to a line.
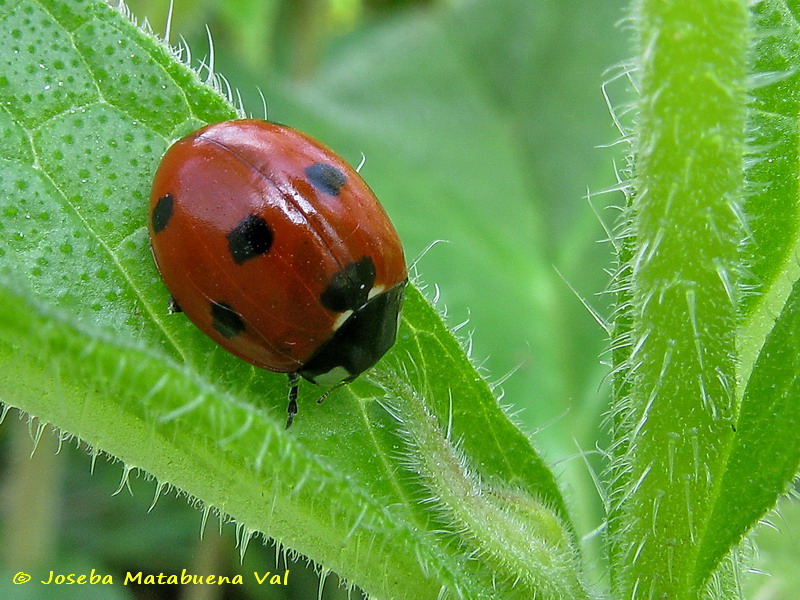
292	408
173	306
333	388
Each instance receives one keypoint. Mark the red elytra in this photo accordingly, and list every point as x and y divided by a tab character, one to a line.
277	250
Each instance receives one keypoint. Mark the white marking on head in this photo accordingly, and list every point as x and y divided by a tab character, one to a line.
378	289
341	319
332	377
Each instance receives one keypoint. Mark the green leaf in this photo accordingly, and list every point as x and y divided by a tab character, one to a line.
399	482
766	436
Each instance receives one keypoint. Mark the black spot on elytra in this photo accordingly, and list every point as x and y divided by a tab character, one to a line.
251	237
349	288
226	320
162	212
326	178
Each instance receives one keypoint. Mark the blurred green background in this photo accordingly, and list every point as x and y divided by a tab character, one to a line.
483	124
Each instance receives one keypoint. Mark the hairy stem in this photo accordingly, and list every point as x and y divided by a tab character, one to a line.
677	417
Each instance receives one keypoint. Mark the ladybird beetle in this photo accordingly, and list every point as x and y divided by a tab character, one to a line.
278	251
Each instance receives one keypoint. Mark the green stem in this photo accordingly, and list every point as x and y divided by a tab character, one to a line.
676	424
521	541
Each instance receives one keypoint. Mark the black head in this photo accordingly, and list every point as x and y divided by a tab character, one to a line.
360	342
